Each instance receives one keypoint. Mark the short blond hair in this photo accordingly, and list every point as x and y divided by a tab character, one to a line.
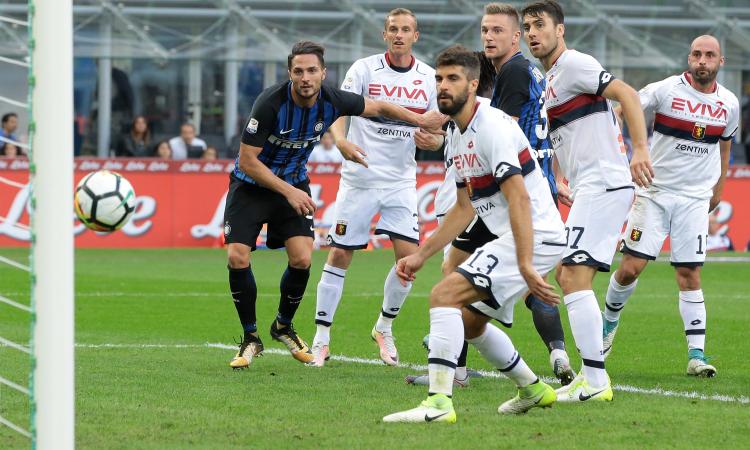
504	9
400	12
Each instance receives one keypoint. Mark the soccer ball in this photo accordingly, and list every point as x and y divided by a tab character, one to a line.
104	201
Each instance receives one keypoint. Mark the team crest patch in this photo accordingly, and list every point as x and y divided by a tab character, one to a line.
252	126
340	228
699	130
635	234
318	127
227	229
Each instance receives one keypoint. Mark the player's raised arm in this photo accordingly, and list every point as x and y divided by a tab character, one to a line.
349	150
640	165
431	121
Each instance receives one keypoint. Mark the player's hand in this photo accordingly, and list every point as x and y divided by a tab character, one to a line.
564	194
407	267
301	202
540	288
641	169
433	121
427	141
714	202
352	152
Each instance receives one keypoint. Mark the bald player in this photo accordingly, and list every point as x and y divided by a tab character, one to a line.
696	119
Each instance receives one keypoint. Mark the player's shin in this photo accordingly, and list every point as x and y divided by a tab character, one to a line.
547	323
244	292
292	286
617	296
394	295
693	312
497	348
446	339
329	292
586	325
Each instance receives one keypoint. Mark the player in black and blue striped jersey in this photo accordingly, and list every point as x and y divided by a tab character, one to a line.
269	185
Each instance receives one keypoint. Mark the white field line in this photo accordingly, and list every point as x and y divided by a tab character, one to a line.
421	367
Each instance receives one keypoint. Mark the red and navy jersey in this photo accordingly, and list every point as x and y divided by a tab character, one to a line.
519	92
287	133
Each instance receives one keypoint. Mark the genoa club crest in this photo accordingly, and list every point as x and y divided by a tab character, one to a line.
699	130
635	234
341	228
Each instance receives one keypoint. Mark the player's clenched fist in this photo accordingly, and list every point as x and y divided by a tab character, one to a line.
301	202
407	267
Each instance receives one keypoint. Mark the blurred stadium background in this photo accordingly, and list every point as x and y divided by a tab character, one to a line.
205	61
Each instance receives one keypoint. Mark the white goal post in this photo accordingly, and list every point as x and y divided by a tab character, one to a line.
51	128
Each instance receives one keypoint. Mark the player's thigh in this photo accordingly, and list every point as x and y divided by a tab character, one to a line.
299	251
648	226
454	291
245	212
398	215
452	258
689	232
353	214
284	222
593	228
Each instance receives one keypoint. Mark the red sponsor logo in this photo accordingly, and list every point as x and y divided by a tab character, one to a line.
466	161
376	90
417	82
704	109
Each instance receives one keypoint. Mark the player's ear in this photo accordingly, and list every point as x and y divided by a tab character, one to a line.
473	85
324	74
416	36
288	71
560	30
516	37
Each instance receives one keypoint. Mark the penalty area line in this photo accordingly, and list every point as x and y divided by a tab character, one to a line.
422	367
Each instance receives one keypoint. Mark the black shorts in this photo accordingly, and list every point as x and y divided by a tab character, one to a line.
475	236
249	206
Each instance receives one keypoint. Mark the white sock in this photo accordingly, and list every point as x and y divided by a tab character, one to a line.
617	296
330	286
460	373
394	296
693	312
446	340
497	348
586	324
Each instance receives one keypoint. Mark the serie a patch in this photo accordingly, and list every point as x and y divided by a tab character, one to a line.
340	228
635	234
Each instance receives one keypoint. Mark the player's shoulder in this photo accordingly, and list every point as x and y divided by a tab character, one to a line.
575	58
491	121
275	94
727	96
423	68
371	62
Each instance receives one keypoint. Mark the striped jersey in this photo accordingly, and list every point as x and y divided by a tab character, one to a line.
490	150
519	92
688	126
583	128
287	133
389	144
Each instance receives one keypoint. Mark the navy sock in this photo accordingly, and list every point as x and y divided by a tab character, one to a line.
244	292
293	284
462	357
547	323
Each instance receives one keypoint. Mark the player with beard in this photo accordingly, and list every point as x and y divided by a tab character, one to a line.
498	179
269	185
696	119
591	155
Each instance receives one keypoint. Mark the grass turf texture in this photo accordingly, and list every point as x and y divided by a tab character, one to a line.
166	397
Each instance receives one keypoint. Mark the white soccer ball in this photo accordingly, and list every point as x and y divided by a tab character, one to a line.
104	201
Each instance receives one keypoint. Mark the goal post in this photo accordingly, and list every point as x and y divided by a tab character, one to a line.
51	170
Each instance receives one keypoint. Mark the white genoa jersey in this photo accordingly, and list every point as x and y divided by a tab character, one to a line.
688	126
493	148
389	144
445	196
583	127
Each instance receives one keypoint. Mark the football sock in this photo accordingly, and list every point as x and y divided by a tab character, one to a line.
244	292
693	312
330	286
462	356
547	323
446	336
617	295
292	286
497	348
394	295
586	325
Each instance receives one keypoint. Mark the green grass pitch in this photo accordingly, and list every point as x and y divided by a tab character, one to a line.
148	377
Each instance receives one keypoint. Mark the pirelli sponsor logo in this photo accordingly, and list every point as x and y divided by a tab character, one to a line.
285	143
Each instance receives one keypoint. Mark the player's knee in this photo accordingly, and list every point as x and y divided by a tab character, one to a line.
339	257
473	324
300	261
238	258
565	279
627	274
688	278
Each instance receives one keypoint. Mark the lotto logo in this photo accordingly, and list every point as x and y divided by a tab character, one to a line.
580	258
695	322
605	77
501	170
481	282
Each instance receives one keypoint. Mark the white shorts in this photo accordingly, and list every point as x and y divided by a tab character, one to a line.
493	268
652	218
594	227
355	208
